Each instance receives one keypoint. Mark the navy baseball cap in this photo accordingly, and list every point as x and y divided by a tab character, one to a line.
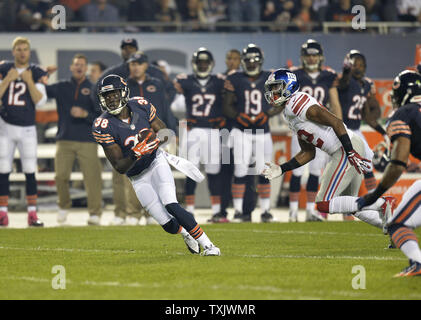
138	57
129	42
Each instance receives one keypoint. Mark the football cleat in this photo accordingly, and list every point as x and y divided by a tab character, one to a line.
293	216
240	217
218	218
266	217
386	212
62	216
414	269
4	219
132	221
192	244
211	250
117	221
33	220
94	220
313	216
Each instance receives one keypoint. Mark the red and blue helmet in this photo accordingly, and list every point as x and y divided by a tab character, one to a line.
280	86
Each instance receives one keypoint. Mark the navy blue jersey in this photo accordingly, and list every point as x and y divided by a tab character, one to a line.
352	100
406	122
108	130
318	87
152	89
203	103
250	95
17	105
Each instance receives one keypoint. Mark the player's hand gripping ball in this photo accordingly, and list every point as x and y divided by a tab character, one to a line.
145	142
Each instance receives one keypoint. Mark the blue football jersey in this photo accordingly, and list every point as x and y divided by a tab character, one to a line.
406	122
203	103
17	105
352	100
108	130
318	87
250	95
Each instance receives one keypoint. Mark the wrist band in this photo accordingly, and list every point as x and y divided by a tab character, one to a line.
290	165
346	143
380	129
399	163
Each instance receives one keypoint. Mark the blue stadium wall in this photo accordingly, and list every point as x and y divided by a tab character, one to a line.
386	54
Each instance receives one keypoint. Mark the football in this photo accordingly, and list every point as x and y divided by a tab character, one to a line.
146	133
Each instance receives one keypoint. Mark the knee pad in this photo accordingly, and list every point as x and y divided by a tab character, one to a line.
190	186
171	226
183	217
31	184
393	227
295	184
312	183
241	180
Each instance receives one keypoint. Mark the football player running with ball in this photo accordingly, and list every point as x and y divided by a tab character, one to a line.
126	131
315	127
404	130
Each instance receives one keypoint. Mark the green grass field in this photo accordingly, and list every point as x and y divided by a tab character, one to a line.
259	262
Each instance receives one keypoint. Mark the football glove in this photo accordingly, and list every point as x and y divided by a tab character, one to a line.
348	63
272	171
145	147
360	164
217	123
244	119
261	119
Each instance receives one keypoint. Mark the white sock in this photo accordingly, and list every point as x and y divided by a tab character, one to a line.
310	206
343	204
411	249
32	208
370	216
190	208
204	241
264	204
216	208
238	204
183	232
3	209
293	206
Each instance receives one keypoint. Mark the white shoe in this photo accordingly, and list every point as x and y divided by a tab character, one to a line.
293	216
94	221
312	215
117	221
132	221
191	244
150	220
211	251
62	216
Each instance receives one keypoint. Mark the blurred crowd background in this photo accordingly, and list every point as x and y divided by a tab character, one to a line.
199	15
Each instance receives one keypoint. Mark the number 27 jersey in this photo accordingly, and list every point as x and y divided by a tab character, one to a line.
322	137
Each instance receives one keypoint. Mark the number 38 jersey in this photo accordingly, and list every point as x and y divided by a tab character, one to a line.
203	102
322	137
18	108
352	100
108	130
250	95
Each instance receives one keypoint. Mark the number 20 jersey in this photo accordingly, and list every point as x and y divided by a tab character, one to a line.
250	95
322	137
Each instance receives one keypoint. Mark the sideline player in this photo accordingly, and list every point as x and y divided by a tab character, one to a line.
202	91
315	127
404	129
117	130
318	82
22	89
243	101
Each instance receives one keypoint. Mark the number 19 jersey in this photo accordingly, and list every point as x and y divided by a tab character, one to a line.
322	137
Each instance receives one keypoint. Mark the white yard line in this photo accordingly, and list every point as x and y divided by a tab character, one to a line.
330	233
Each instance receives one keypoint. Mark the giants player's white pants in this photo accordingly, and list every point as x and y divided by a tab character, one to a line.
23	138
155	188
367	148
315	166
248	148
204	146
408	211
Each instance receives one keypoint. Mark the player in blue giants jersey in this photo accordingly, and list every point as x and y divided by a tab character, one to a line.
317	81
202	93
404	130
251	140
358	101
22	89
118	130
